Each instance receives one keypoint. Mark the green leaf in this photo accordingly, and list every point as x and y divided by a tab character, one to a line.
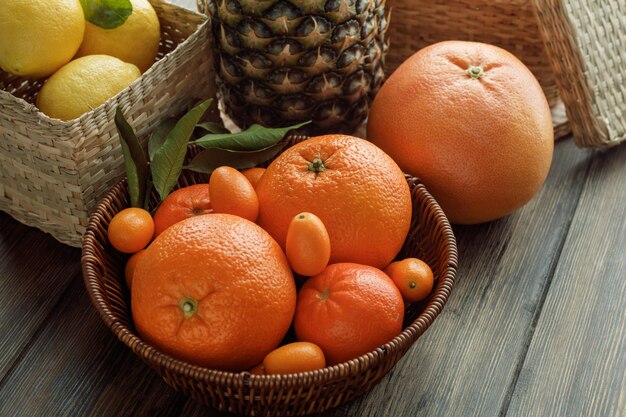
146	200
108	14
158	136
135	161
131	175
210	159
255	137
168	160
212	127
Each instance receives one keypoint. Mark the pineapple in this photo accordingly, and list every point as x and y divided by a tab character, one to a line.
280	62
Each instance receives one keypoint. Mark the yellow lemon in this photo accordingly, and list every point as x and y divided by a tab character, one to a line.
135	41
83	85
37	37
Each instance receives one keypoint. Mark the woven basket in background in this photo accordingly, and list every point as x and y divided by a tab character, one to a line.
430	238
510	24
586	42
52	173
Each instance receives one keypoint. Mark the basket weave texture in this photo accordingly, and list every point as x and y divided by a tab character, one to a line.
587	45
430	238
52	173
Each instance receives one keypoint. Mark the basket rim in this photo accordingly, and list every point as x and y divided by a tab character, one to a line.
153	356
31	109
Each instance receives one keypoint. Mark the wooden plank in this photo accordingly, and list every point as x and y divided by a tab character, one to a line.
35	270
467	361
462	366
576	362
75	362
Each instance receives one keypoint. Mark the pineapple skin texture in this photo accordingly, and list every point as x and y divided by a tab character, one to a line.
283	62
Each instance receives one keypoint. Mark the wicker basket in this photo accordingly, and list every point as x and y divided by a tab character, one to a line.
52	173
510	24
587	46
430	238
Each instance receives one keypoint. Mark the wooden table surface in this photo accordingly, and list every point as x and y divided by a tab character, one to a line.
536	325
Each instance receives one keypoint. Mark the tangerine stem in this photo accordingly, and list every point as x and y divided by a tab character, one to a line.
475	71
317	165
325	294
189	306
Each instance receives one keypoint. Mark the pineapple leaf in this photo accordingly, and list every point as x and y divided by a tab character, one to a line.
210	159
254	138
108	14
168	160
158	136
135	162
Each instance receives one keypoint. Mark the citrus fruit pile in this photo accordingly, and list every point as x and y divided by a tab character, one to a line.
90	50
222	271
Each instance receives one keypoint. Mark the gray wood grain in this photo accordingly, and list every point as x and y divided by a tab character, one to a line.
35	270
75	362
576	363
464	365
467	362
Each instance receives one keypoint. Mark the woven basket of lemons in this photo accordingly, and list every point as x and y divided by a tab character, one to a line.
59	149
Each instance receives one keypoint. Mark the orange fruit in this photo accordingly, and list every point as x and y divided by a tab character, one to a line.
253	175
358	192
215	291
183	203
232	193
292	358
413	277
307	245
131	264
131	230
348	310
258	369
472	122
